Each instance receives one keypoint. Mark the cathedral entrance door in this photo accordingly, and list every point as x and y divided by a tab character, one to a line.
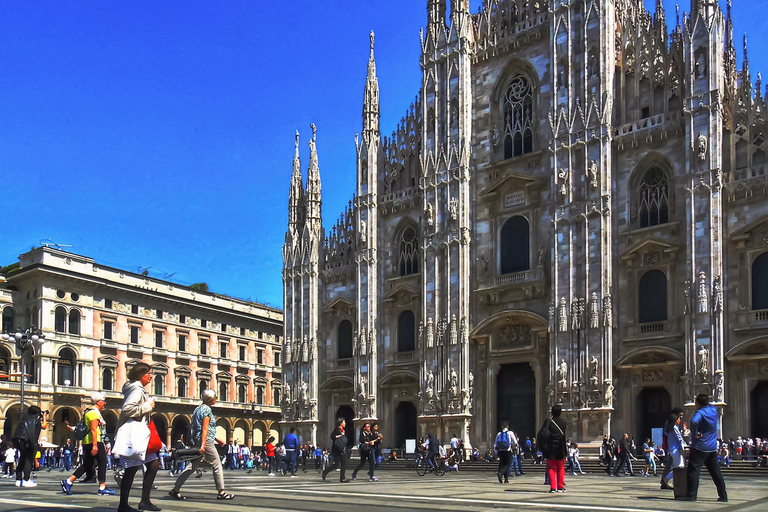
348	414
516	399
759	410
653	408
405	423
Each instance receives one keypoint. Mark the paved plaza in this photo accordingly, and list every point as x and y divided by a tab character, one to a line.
399	491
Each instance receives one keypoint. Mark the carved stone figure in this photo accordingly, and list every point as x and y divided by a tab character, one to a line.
454	331
717	294
719	386
288	350
305	350
464	331
453	209
429	387
593	174
483	263
312	344
703	361
454	389
428	211
363	235
540	256
363	342
700	66
608	311
594	380
701	146
562	371
550	392
430	333
685	381
608	398
496	137
551	326
562	179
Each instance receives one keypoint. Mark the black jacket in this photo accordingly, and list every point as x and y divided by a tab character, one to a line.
29	428
559	449
335	435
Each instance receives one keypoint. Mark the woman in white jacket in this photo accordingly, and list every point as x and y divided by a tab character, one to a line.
137	406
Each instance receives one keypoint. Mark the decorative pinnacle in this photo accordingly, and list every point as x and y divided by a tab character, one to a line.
372	38
314	131
297	140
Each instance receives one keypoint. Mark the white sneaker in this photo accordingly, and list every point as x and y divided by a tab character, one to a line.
29	483
18	483
271	474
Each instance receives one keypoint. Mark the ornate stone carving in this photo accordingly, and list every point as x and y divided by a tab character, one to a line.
703	302
312	349
651	258
514	336
363	235
495	137
430	333
577	313
540	256
549	391
305	350
717	294
363	342
464	331
454	387
551	324
608	311
653	375
594	312
562	180
288	350
563	314
454	331
482	262
685	382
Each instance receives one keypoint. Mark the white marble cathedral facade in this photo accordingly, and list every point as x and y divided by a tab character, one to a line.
573	210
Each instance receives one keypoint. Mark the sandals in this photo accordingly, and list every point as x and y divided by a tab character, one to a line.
225	496
175	495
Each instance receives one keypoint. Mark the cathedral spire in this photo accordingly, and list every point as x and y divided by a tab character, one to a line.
745	64
371	101
313	195
730	50
297	191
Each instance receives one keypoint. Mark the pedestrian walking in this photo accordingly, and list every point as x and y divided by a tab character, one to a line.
551	442
10	460
94	451
367	452
291	444
204	436
502	446
269	450
338	449
137	406
676	416
704	449
26	440
624	454
378	437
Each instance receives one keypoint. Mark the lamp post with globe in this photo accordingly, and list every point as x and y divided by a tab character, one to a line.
32	337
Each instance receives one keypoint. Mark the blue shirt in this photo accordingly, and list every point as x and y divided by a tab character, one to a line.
291	442
704	429
202	412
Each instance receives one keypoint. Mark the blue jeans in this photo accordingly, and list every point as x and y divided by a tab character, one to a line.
290	456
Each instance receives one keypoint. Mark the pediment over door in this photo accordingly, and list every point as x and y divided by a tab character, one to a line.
341	308
649	252
753	235
650	356
514	189
402	294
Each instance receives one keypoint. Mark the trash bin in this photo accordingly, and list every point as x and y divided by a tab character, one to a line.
680	482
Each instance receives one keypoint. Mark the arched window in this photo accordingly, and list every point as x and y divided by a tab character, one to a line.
66	367
652	297
276	396
760	282
74	322
159	384
518	117
181	387
5	361
242	393
408	255
345	340
224	391
515	245
61	319
203	385
259	395
653	205
8	320
406	332
106	379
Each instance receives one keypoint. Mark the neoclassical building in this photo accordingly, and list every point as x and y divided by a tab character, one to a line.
99	320
573	210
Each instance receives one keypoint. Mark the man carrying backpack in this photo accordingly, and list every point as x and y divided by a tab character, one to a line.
551	442
503	448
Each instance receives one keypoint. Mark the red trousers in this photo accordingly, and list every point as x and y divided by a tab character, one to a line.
556	472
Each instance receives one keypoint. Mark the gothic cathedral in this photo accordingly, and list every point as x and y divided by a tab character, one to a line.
573	210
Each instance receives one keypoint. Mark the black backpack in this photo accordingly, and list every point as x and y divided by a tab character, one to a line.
544	440
82	429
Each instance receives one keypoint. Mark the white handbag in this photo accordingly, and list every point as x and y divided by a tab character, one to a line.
132	440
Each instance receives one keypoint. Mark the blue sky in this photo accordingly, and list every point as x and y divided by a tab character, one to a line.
160	133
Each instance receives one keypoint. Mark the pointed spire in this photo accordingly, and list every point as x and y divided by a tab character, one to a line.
660	14
745	64
297	191
313	180
371	100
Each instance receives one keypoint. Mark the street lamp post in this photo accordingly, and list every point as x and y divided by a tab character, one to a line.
32	337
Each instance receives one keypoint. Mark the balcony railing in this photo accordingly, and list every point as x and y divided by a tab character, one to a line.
519	277
761	315
652	327
344	363
404	357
